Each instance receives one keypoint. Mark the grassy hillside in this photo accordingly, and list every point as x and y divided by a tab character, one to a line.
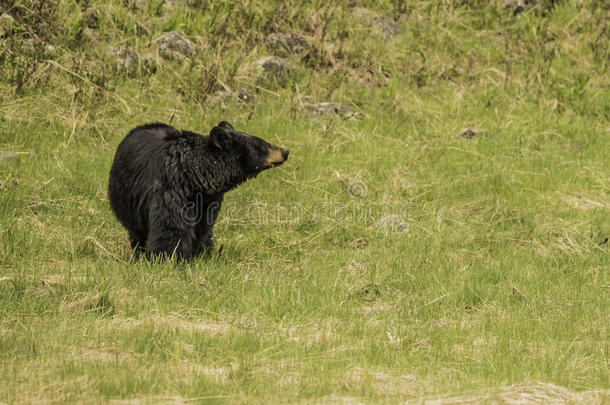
440	233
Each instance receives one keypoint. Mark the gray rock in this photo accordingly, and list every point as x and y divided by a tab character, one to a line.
173	46
286	43
7	24
325	108
359	243
469	133
125	60
244	96
393	223
385	25
270	69
8	157
517	6
274	67
380	23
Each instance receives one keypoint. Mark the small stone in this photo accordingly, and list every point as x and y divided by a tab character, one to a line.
380	23
287	43
393	223
7	24
275	67
517	6
359	243
468	133
341	109
270	69
8	157
356	268
385	25
173	46
245	96
125	60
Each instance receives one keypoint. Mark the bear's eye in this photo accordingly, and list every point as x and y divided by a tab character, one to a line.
260	148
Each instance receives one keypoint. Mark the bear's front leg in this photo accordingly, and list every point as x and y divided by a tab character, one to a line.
205	228
170	234
206	242
173	242
137	241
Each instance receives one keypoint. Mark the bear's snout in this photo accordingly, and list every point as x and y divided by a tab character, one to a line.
276	156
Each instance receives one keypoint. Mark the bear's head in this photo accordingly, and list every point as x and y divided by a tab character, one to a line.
253	153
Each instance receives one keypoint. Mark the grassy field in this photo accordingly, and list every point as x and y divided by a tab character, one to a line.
445	240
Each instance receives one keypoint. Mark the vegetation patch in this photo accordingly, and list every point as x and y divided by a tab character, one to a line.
439	233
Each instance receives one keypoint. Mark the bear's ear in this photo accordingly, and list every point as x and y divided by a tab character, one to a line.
225	125
220	138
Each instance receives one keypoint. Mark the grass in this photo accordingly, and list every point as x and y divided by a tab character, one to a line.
499	291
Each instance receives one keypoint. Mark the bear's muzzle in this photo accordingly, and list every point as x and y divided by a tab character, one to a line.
276	156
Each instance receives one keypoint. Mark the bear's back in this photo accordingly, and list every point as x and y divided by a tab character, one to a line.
151	133
138	161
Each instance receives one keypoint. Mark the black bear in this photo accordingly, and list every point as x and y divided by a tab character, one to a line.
166	185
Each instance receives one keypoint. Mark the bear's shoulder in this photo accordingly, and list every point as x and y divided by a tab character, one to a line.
191	135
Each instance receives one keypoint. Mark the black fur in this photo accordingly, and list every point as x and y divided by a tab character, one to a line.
166	186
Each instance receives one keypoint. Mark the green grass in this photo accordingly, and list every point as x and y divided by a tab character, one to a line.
500	289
